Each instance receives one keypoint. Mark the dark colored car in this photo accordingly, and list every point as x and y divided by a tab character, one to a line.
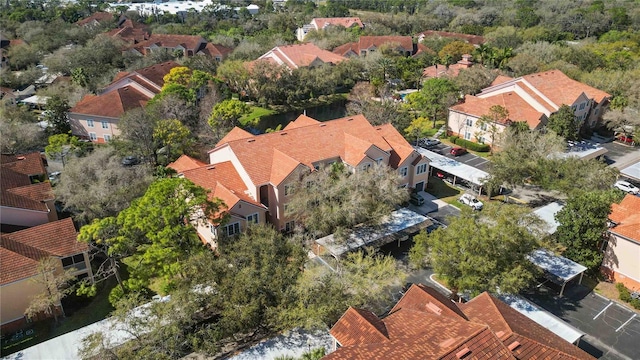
458	151
130	161
416	199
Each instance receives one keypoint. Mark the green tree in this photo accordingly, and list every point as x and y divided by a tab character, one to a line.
493	253
563	123
454	51
418	128
491	123
333	199
583	224
225	115
55	114
434	99
172	135
61	145
55	285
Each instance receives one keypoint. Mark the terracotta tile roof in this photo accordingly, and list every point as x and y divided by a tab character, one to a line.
472	39
484	328
129	35
214	50
235	134
626	215
302	120
27	164
423	298
401	150
112	104
329	140
282	165
154	73
15	267
184	163
519	109
223	182
99	17
16	42
189	42
451	71
368	42
501	79
301	55
420	48
57	238
536	341
321	23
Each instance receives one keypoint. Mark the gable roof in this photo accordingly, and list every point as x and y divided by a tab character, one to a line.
214	50
112	104
300	55
302	120
512	326
17	191
471	39
519	109
235	134
626	216
154	74
130	32
330	140
368	42
98	17
484	328
549	89
189	42
14	266
184	163
321	23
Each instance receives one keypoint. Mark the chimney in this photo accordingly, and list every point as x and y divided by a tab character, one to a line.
466	61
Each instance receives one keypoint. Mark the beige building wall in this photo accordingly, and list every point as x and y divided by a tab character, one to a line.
466	126
25	217
622	256
95	128
16	297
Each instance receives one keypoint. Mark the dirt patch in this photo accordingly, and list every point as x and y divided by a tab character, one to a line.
609	291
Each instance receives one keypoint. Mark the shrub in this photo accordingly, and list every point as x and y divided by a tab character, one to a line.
625	296
469	144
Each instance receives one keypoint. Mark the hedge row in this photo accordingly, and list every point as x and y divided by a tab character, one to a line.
469	144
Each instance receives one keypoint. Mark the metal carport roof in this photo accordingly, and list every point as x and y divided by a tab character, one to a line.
632	171
558	266
453	167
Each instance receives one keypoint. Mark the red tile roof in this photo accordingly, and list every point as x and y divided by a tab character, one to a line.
368	42
321	23
442	70
302	120
154	74
626	215
235	134
346	138
472	39
519	109
129	35
21	250
112	104
99	17
185	162
301	55
427	325
215	50
189	42
17	190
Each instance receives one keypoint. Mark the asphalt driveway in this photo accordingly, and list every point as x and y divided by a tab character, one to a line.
613	331
468	158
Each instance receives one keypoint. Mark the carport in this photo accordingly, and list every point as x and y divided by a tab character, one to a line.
561	269
457	169
398	226
632	172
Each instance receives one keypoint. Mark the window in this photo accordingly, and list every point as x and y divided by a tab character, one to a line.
232	229
288	190
107	137
366	166
90	123
317	167
253	218
422	168
469	122
403	186
105	125
378	161
597	109
214	231
289	226
481	139
75	261
483	127
93	136
467	135
403	171
581	107
286	208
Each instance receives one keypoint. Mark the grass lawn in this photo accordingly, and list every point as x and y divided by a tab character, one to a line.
486	155
443	191
254	116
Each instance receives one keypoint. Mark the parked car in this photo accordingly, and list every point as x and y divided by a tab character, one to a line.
625	139
626	187
457	151
428	143
470	200
130	161
416	199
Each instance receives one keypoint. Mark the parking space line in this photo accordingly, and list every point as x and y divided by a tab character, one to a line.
472	159
485	161
626	322
603	310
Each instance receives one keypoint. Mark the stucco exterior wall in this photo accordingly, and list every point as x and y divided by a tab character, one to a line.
80	126
224	153
16	297
24	217
622	256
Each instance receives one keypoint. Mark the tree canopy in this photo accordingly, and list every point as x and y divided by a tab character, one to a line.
563	123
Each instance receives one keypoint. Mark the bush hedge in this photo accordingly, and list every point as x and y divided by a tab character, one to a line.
470	144
625	296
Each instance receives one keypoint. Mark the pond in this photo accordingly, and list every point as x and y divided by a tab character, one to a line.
331	111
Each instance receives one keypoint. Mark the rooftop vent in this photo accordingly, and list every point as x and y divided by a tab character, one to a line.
500	334
283	133
211	167
462	353
349	119
251	140
323	125
514	345
21	158
447	343
434	308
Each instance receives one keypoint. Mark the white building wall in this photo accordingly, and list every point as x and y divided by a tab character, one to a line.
224	153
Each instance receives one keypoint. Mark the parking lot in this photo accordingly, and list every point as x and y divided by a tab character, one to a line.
613	331
468	158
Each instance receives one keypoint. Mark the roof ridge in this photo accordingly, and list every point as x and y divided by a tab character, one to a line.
495	307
